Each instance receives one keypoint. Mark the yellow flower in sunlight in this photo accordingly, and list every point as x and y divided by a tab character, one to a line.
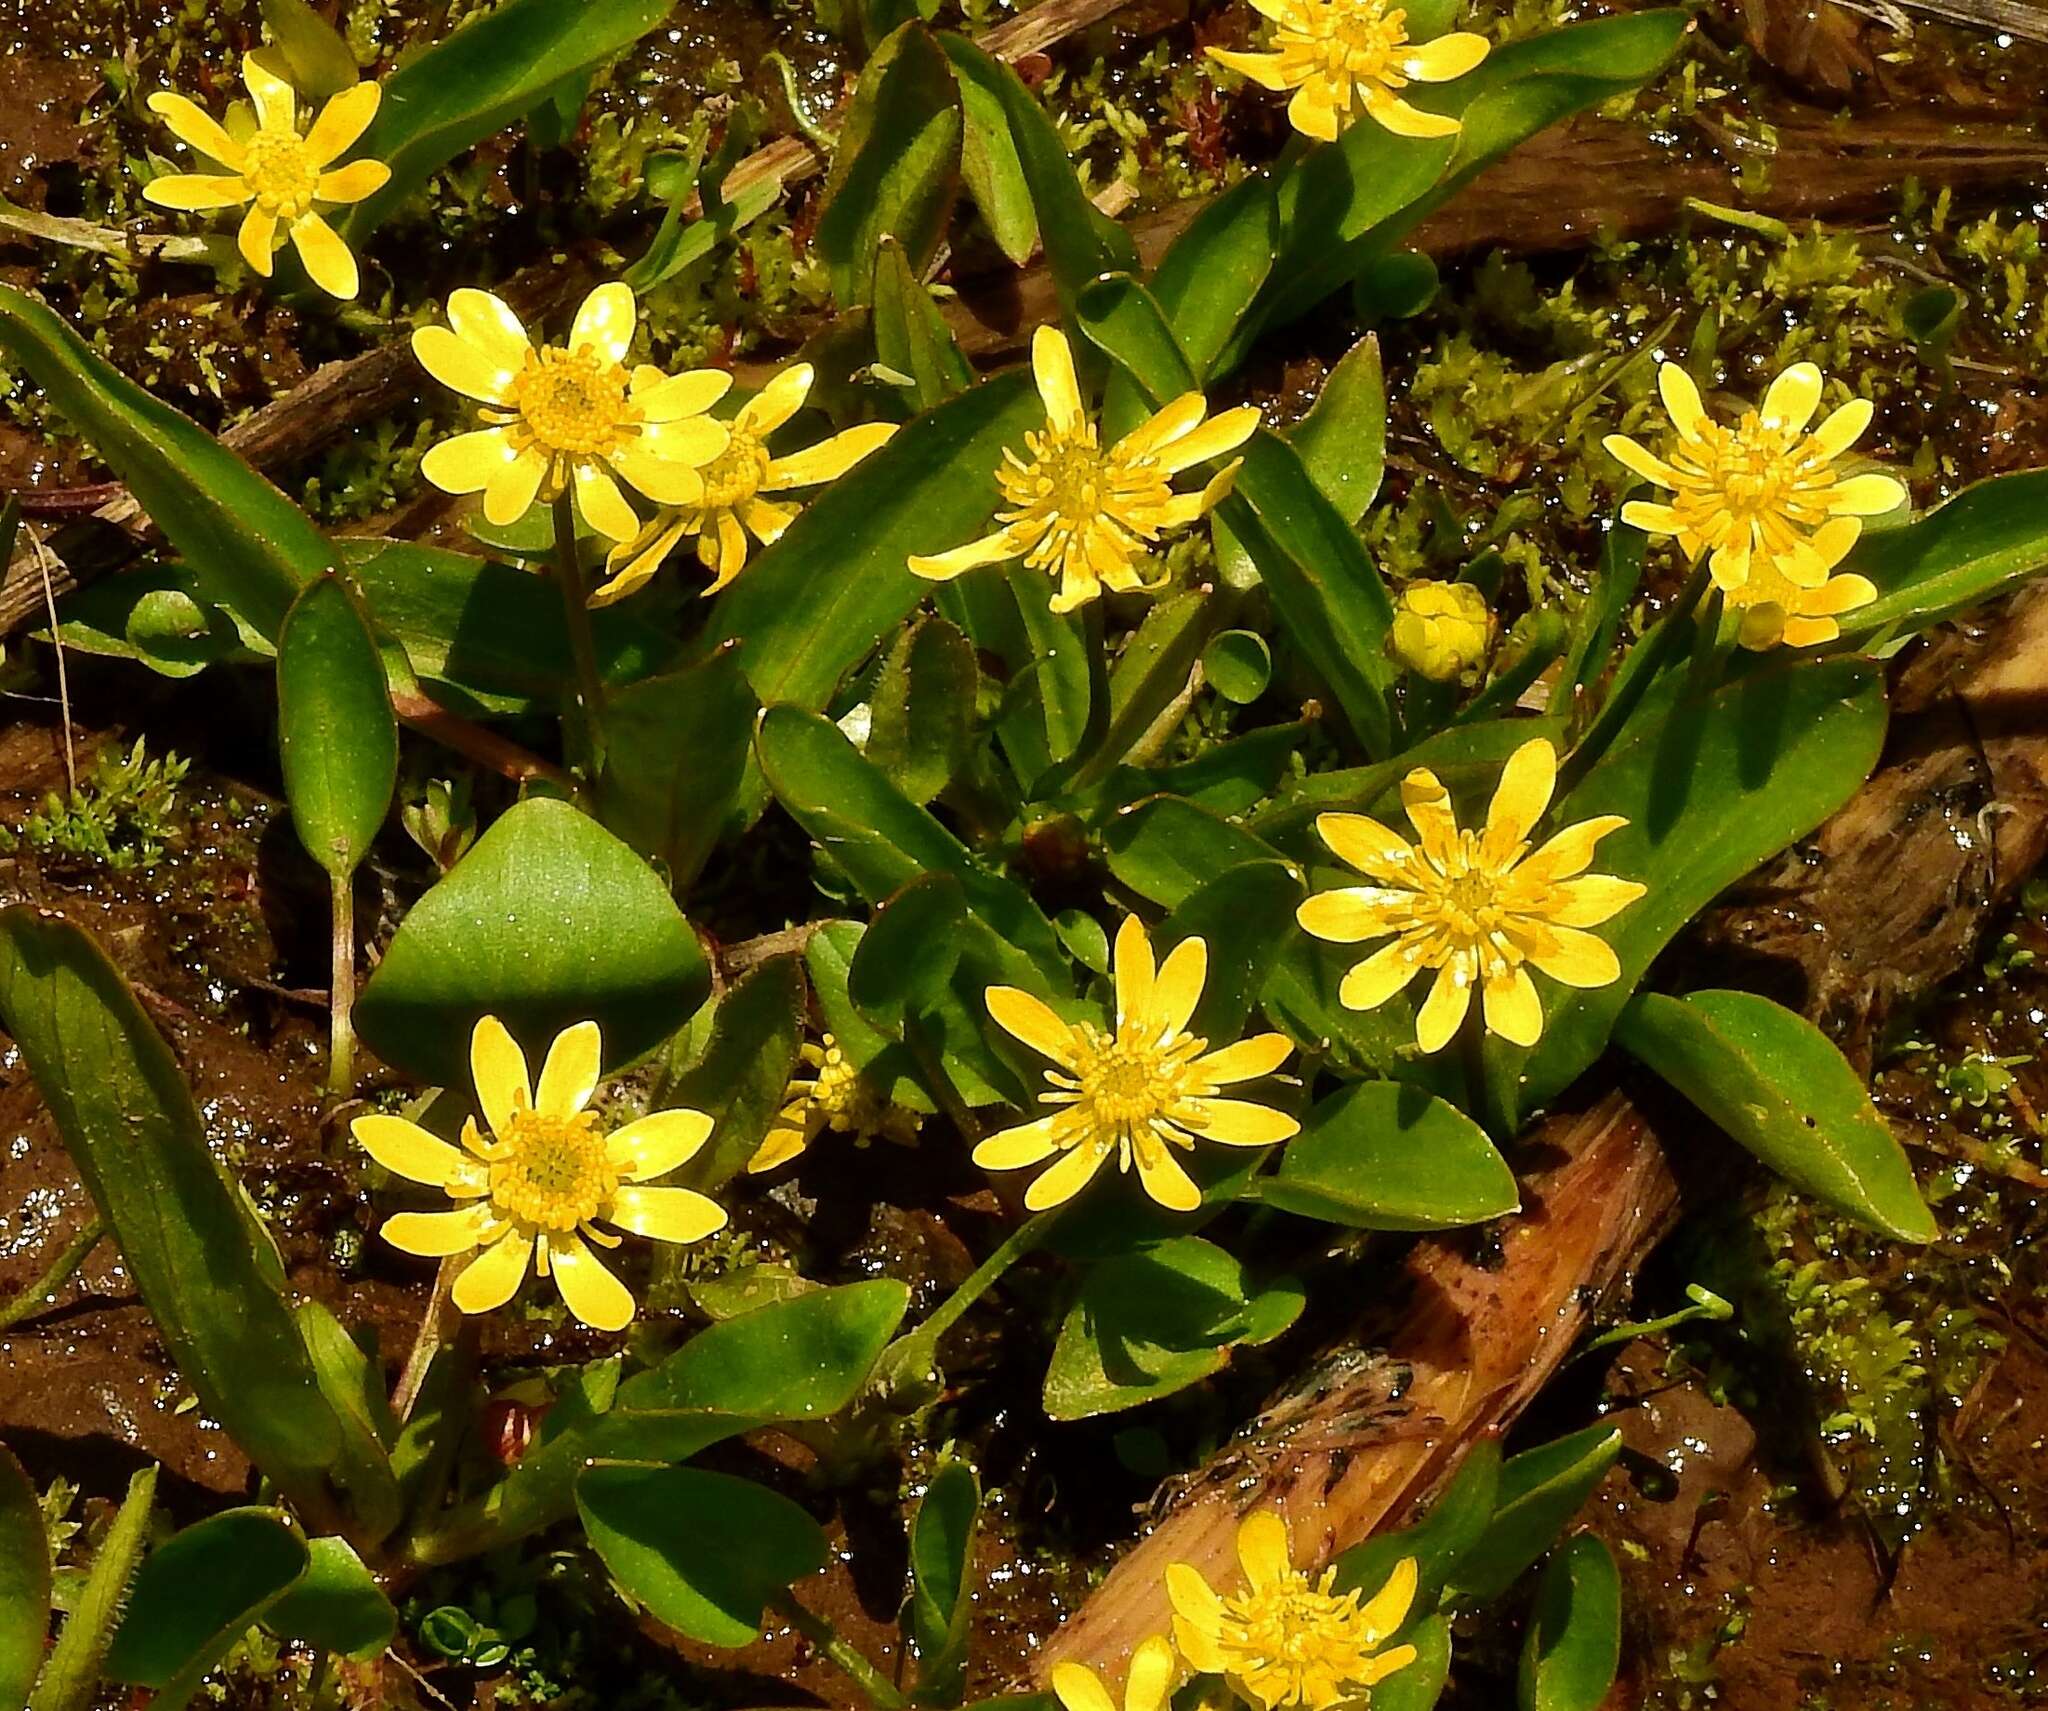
1286	1640
1139	1092
1774	610
1441	629
732	506
1477	907
1087	515
1147	1687
568	416
1346	57
834	1096
1758	494
534	1193
277	173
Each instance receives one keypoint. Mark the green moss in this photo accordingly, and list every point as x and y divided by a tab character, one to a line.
125	812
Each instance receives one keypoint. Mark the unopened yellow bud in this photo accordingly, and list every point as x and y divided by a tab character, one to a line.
1441	629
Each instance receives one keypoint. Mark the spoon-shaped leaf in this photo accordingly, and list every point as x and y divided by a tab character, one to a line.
335	726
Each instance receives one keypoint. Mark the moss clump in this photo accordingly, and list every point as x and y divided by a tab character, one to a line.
124	814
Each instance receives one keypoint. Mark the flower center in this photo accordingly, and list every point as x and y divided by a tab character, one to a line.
573	403
1293	1643
278	170
1069	476
1360	42
736	474
554	1173
1125	1082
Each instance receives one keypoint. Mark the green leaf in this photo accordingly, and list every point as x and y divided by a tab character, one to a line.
1343	438
988	154
743	1076
480	78
334	726
1238	665
189	1242
1982	542
1711	788
1775	1083
319	61
878	837
911	336
1393	287
354	1389
1385	1156
1418	1686
676	753
1212	273
704	1552
251	547
828	959
197	1594
1243	917
941	1557
1540	1491
548	921
923	725
1154	665
71	1678
896	167
1148	1323
24	1585
1439	1542
1059	655
1572	1650
337	1606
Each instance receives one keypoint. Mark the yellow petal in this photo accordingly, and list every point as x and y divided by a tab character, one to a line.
1197	1617
1179	988
1428	807
1681	400
654	1145
1511	1006
1066	1178
943	567
1569	850
1444	1009
783	1142
1264	1551
569	1076
1573	958
1262	68
277	108
513	488
1079	1688
498	1067
1445	58
191	191
828	459
1651	519
1640	460
1377	1669
666	1214
1385	1611
589	1290
1312	112
407	1150
1150	1681
351	183
1369	984
1212	439
1809	632
341	121
1174	420
1161	1176
1866	496
668	470
767	519
604	323
1526	783
631	563
487	322
1793	397
1842	428
779	400
1247	1060
732	550
193	126
436	1235
493	1277
328	261
676	397
1052	363
1013	1149
1367	845
1237	1122
1589	901
470	462
463	365
603	506
1355	913
1018	1013
1405	121
257	239
1135	970
1839	594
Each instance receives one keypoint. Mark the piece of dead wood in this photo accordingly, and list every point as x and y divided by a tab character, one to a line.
1887	900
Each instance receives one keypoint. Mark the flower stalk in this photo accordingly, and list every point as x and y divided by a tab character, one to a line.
341	993
583	729
850	1660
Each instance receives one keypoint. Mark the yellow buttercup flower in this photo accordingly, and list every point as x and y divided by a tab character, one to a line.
1147	1687
281	176
1441	630
1140	1091
1774	610
1346	57
834	1096
1087	515
534	1193
1286	1640
732	507
1760	493
568	416
1477	907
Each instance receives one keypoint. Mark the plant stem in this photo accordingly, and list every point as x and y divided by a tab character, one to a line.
585	726
69	1258
1645	660
851	1660
341	991
1089	759
915	1353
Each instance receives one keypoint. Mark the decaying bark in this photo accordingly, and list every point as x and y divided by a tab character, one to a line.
1885	901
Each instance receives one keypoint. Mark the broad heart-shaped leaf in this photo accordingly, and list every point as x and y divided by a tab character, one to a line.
475	80
896	166
741	1079
923	724
802	1358
1711	787
704	1552
1776	1084
24	1584
1148	1323
197	1594
1382	1155
205	1270
548	921
1343	439
1981	542
878	837
251	547
1572	1649
334	725
1540	1491
336	1606
941	1558
988	153
675	755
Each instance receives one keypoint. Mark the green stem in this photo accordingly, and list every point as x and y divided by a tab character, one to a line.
341	992
69	1258
1645	661
585	726
1091	757
915	1354
849	1658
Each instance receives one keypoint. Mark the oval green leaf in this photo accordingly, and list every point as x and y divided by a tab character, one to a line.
1386	1156
197	1594
337	1604
1572	1650
24	1585
1980	543
335	727
1540	1491
941	1556
1238	665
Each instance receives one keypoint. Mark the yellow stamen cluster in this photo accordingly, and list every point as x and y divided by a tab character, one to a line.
834	1096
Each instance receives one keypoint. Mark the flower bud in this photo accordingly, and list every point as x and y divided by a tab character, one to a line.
1441	629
